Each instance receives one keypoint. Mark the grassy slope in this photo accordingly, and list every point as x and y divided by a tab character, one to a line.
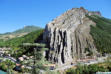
101	33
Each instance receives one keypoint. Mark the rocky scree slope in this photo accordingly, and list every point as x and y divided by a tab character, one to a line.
68	36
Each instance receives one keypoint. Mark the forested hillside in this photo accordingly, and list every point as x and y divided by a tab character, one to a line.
101	33
15	42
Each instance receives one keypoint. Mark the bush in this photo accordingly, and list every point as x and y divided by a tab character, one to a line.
5	65
70	71
52	72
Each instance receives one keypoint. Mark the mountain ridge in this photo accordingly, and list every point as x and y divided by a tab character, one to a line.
24	29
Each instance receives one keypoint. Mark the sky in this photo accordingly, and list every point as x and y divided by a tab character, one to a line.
15	14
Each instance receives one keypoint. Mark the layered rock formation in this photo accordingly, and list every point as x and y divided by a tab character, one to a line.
68	36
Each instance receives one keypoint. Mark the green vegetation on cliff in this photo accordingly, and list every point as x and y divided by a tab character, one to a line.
101	33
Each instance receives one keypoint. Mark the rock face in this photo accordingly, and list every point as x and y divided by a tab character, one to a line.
68	36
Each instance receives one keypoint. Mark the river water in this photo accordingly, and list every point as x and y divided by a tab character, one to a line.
2	72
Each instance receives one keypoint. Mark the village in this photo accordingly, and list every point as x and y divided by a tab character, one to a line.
27	61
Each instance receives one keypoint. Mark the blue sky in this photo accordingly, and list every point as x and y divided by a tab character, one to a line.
15	14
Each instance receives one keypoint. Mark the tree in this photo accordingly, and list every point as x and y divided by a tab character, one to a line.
10	67
38	50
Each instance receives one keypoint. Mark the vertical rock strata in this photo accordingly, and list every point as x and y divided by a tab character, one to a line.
68	36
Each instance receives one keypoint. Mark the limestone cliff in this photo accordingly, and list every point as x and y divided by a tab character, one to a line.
68	36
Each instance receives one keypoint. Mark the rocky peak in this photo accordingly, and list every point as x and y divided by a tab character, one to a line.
94	13
68	36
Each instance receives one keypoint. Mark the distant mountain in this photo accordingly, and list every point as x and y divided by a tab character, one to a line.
18	33
27	29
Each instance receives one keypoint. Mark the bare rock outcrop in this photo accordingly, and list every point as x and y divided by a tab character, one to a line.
68	36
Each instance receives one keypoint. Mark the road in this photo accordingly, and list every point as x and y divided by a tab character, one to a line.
65	67
10	58
100	60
